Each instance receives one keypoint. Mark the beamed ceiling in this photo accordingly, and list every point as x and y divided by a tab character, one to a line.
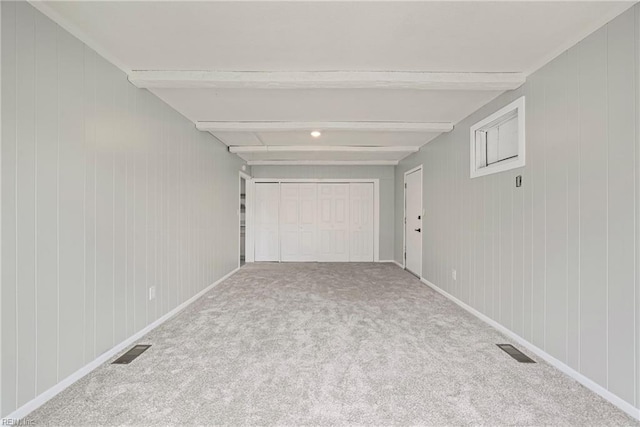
378	79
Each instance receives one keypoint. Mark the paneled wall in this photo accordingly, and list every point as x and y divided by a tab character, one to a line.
106	191
555	261
384	173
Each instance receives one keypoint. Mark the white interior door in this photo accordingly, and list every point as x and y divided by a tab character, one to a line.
298	222
413	224
266	219
333	222
308	207
361	222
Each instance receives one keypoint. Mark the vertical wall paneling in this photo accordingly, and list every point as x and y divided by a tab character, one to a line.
637	201
140	185
572	152
468	235
537	126
506	251
480	254
46	137
89	203
130	210
71	204
105	192
517	244
154	124
621	213
498	230
161	208
104	90
172	282
0	210
556	209
9	214
488	238
527	239
104	205
593	205
555	260
150	217
120	212
26	201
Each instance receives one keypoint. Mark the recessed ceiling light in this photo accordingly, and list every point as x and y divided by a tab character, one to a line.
316	134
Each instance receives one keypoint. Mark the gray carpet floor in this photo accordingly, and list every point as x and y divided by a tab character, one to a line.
326	344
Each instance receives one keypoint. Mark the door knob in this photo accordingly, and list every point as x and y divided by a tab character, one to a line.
417	229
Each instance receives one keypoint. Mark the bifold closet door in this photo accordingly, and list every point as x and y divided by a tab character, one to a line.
333	222
298	222
361	222
266	219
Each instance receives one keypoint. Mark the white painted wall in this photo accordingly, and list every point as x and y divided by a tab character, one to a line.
384	173
554	261
106	191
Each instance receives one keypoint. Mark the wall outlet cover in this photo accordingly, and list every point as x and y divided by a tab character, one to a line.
152	293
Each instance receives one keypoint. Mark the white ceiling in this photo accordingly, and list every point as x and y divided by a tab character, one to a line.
386	36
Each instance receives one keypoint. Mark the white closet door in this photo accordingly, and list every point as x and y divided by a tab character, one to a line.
308	226
289	222
266	210
333	222
361	223
298	222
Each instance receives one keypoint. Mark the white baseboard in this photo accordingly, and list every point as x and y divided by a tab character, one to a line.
42	398
590	384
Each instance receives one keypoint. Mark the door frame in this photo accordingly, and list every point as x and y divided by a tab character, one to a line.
376	206
404	217
247	181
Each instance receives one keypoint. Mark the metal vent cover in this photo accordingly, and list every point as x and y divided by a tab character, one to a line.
515	353
131	355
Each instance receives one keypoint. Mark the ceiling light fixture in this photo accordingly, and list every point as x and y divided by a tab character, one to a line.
316	134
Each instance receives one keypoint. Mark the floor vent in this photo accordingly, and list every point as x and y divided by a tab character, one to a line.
131	355
515	353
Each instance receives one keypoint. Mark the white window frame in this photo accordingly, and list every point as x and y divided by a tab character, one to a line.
505	165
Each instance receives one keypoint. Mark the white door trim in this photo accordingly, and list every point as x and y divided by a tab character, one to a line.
404	218
376	206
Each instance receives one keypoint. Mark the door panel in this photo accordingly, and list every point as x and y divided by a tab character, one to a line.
308	207
333	223
298	225
361	227
413	226
266	211
289	222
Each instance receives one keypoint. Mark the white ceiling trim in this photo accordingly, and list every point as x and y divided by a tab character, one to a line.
337	126
325	80
317	148
322	162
